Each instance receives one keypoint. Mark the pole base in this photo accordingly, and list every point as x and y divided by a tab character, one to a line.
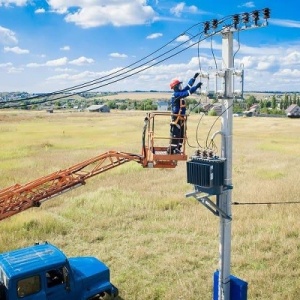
238	288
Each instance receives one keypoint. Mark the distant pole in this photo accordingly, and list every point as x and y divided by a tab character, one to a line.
224	200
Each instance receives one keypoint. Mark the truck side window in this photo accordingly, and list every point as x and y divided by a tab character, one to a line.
28	286
54	277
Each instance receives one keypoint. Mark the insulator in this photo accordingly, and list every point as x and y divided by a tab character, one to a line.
204	75
206	27
220	93
238	72
255	16
214	23
236	21
237	92
220	74
245	17
266	12
198	152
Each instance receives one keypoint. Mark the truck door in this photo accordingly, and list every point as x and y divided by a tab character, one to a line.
28	288
57	284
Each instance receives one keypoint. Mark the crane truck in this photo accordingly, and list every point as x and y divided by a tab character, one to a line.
42	271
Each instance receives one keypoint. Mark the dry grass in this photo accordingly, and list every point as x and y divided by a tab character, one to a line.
158	243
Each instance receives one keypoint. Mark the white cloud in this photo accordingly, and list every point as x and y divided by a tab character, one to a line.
6	65
65	48
16	50
8	3
75	78
57	62
7	36
14	70
192	9
33	65
285	23
249	4
154	36
40	11
264	65
63	70
178	9
183	38
10	69
292	58
117	55
181	7
86	14
50	63
288	73
81	61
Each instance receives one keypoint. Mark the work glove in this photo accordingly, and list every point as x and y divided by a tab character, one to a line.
196	75
199	84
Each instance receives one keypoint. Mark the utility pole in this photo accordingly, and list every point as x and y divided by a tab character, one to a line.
224	200
212	175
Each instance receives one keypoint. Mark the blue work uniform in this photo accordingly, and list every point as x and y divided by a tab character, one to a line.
178	105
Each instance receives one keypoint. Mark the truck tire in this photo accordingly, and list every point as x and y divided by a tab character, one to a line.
102	296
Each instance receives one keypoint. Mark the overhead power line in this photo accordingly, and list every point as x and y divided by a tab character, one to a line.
127	71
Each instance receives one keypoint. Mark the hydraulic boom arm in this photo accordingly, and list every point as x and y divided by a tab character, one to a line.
18	198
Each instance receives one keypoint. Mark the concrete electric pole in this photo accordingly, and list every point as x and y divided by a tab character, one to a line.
212	175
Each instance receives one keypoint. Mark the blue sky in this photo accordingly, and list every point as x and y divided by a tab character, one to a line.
51	45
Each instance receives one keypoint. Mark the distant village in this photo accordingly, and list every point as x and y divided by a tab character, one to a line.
249	104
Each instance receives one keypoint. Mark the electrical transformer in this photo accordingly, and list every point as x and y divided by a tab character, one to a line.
206	174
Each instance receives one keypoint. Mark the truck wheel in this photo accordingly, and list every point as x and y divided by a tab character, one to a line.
106	296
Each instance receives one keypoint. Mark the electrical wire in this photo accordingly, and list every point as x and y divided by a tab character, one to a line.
116	80
238	49
96	81
108	75
197	130
113	81
265	203
212	52
207	146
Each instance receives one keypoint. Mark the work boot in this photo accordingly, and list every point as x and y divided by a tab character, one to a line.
176	151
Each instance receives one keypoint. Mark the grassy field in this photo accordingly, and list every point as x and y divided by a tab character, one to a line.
158	243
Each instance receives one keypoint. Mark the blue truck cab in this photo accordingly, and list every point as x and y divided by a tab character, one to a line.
43	272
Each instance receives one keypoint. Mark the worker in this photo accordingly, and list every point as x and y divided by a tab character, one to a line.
178	111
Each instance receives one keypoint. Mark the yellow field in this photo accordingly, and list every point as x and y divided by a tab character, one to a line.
158	243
